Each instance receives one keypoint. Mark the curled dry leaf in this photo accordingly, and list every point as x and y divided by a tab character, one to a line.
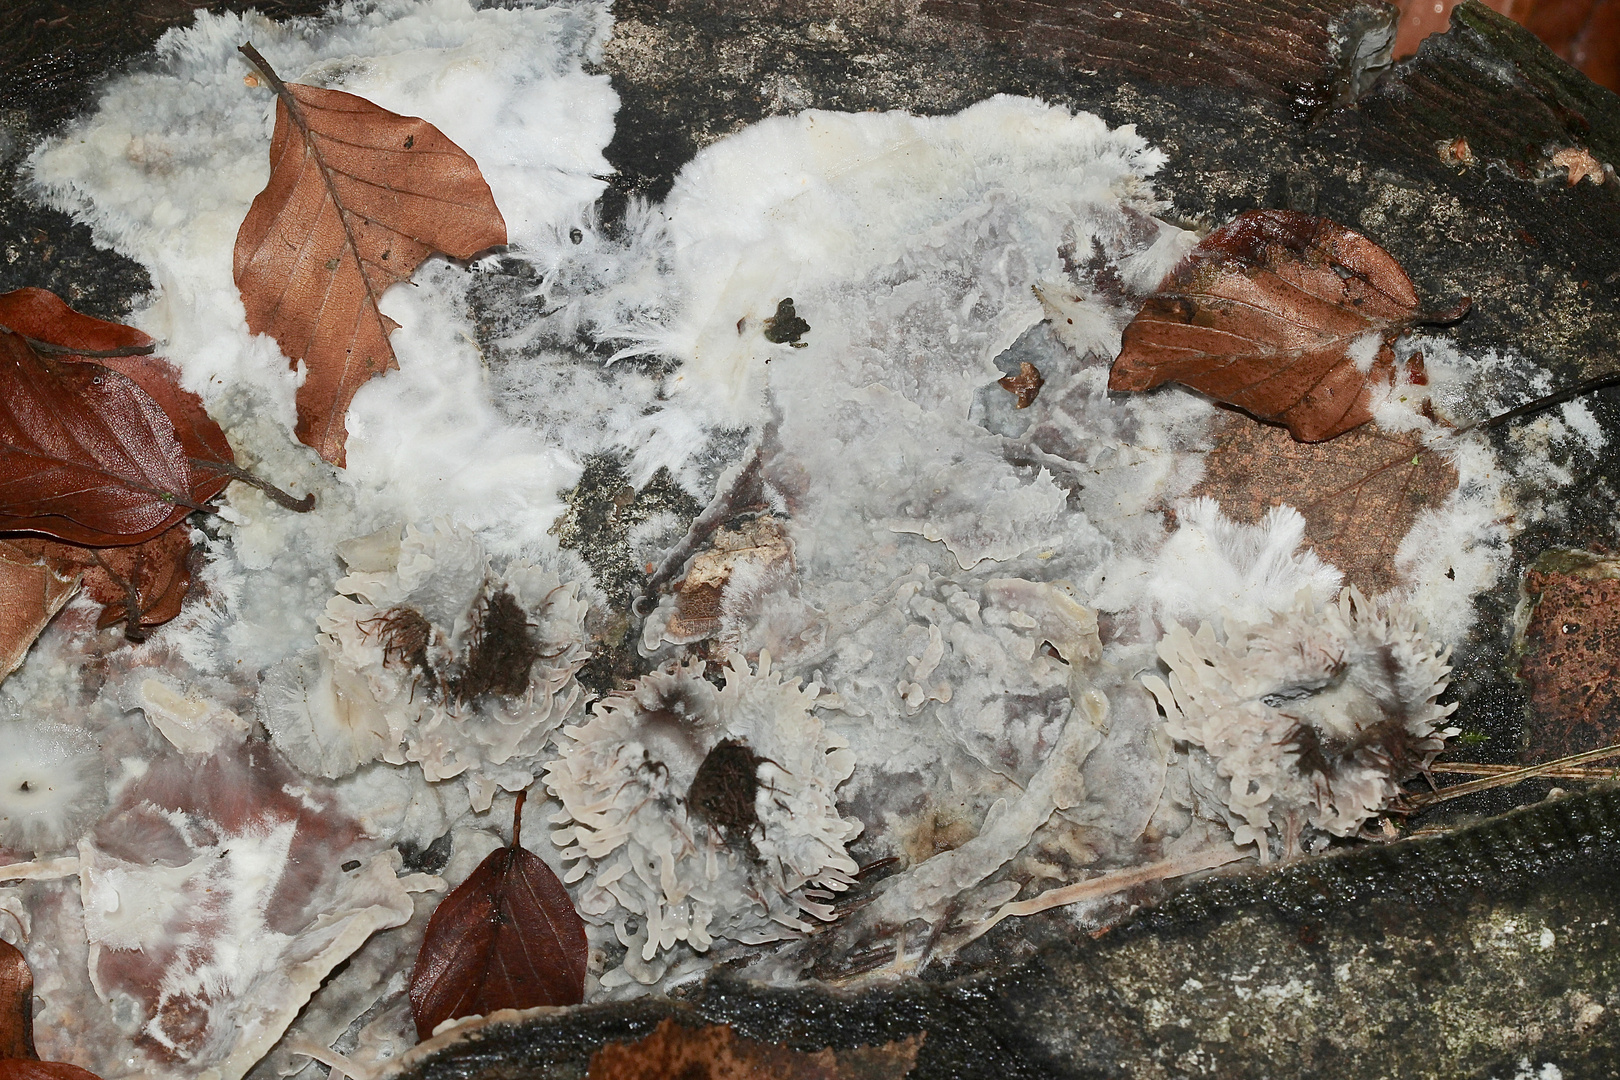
506	938
1359	494
141	585
1285	315
32	590
358	197
16	1004
18	1061
1025	385
717	1053
52	326
86	455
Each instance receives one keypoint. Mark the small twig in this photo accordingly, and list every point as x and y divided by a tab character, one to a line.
1570	772
45	348
236	472
1541	404
1507	779
1108	884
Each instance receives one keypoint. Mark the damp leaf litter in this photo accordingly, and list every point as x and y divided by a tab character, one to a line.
948	606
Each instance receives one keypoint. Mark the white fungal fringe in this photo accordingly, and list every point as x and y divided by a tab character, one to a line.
658	867
403	625
52	785
1311	718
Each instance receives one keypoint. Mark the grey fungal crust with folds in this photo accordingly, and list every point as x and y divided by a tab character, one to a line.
669	859
428	654
1309	719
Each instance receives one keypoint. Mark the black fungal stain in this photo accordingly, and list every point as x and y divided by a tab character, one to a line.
785	327
723	793
425	860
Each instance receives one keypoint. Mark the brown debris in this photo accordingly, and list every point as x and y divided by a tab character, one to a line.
1359	494
700	596
1580	164
1025	385
1569	650
723	793
673	1052
503	650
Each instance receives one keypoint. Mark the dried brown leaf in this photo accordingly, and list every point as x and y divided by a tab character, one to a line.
86	455
32	591
18	1061
1025	385
47	321
22	1069
1359	494
141	585
506	938
358	197
1285	315
16	1004
718	1053
1569	654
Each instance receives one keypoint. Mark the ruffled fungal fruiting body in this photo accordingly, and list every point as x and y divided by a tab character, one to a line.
692	812
52	785
429	656
1310	718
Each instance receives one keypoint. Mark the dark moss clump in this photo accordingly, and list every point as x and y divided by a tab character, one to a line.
723	792
405	634
502	651
785	327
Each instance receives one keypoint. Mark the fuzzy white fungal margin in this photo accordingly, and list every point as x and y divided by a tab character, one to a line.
1310	718
652	862
52	785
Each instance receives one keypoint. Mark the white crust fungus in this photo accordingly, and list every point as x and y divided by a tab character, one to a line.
1309	718
659	827
52	785
429	656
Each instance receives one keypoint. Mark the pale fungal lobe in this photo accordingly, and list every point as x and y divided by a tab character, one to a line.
1311	717
407	651
659	861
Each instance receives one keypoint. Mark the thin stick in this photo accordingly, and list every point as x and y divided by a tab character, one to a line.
45	348
1572	772
1541	404
1108	884
1506	779
236	472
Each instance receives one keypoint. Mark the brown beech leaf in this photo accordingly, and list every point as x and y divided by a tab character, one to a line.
1359	494
50	325
18	1060
717	1053
140	585
16	1004
1285	315
86	455
507	938
358	197
32	591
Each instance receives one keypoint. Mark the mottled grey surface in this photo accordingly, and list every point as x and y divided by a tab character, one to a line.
1449	956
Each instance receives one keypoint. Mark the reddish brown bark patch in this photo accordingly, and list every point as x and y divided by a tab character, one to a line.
1569	654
